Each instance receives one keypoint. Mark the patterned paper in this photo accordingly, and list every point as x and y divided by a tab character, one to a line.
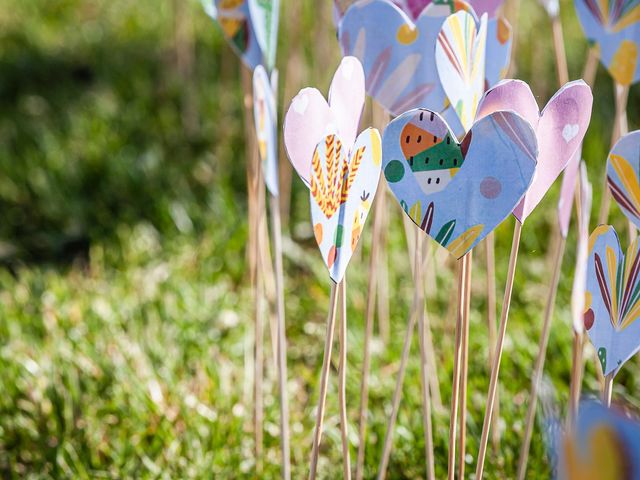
458	193
310	118
234	18
559	129
460	55
343	185
611	301
414	8
398	52
265	15
614	27
604	446
265	118
623	175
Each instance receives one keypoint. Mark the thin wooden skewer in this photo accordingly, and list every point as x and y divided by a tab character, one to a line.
576	379
455	395
324	380
491	320
366	361
342	382
542	353
558	46
397	394
424	365
591	67
495	369
281	338
608	389
467	262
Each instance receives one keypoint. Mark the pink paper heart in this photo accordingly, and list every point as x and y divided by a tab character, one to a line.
559	129
310	117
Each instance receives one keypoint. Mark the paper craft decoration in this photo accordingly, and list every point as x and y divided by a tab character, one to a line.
414	8
264	115
343	185
310	118
623	175
582	255
264	16
604	446
234	18
559	129
614	27
398	52
460	54
567	190
611	301
458	193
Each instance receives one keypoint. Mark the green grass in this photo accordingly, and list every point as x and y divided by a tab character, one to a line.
125	315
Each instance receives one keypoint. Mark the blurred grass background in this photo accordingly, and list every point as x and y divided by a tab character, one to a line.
125	316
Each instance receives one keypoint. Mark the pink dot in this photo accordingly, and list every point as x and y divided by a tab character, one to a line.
490	187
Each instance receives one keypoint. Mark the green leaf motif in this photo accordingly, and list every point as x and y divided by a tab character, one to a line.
444	235
602	356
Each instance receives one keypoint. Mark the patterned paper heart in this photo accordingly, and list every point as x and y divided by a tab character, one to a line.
623	175
612	303
343	185
460	58
234	18
414	8
559	129
310	118
614	27
398	52
458	193
265	15
264	115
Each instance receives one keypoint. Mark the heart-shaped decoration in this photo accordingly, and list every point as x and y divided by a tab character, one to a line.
265	15
310	118
582	254
414	8
397	51
343	185
623	175
570	105
458	193
234	17
460	59
612	303
614	27
264	116
570	131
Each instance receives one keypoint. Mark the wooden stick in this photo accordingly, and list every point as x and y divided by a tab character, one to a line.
467	262
576	380
608	389
397	394
274	205
540	360
495	368
591	67
424	364
342	382
324	381
491	320
366	361
558	47
455	394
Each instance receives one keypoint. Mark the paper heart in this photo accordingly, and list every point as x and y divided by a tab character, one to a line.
398	51
570	105
460	59
623	175
343	185
458	193
234	17
310	118
612	303
570	131
264	16
582	252
414	8
614	27
265	119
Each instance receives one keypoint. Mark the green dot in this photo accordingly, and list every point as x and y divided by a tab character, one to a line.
394	171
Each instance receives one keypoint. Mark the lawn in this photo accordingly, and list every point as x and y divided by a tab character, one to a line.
125	307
